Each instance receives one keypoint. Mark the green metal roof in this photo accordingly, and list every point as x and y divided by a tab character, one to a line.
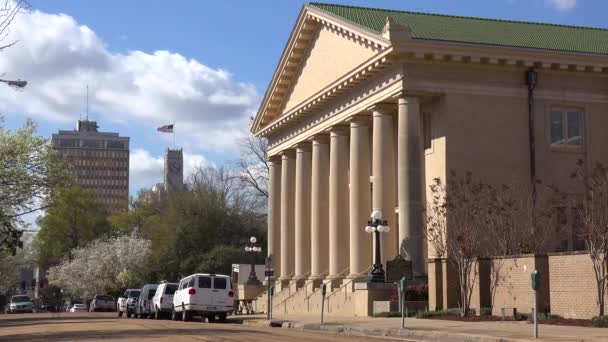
477	30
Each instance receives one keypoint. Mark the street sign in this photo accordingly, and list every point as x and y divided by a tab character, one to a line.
269	273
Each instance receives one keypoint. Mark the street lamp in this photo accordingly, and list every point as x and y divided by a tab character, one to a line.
377	226
253	249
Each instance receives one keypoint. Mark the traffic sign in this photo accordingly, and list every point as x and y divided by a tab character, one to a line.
269	273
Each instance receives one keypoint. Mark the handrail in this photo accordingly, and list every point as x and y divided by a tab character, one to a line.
310	281
344	271
350	281
286	288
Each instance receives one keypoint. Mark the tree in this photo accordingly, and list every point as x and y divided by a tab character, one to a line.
29	171
593	229
8	12
103	266
73	220
11	264
456	227
254	169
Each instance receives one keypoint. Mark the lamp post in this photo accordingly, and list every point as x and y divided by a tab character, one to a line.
377	226
253	249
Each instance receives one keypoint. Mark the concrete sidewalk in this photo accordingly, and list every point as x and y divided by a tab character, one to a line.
435	330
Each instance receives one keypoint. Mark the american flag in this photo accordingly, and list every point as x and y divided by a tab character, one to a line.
165	128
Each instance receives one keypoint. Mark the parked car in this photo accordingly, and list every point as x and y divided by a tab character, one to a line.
163	299
206	295
143	307
122	306
20	303
78	308
102	303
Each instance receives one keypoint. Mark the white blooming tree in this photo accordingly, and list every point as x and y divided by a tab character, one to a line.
102	266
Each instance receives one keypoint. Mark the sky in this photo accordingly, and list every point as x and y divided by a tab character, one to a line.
204	65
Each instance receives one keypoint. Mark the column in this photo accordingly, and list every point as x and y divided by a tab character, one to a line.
287	215
319	207
410	183
338	202
360	196
274	213
302	212
383	171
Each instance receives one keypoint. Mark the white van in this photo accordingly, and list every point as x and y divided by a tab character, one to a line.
163	299
143	307
202	294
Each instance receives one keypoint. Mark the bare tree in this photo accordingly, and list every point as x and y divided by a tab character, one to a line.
457	221
9	10
253	164
593	228
517	225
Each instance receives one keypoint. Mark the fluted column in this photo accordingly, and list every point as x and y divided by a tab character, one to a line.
302	212
360	201
383	171
287	215
319	207
410	183
338	202
274	213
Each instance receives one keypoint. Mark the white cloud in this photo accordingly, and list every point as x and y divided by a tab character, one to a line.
146	170
58	57
562	5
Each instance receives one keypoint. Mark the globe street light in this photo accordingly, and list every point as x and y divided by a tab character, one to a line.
377	226
253	249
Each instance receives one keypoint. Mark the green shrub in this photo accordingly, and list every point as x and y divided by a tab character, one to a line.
485	311
428	314
521	316
388	314
600	321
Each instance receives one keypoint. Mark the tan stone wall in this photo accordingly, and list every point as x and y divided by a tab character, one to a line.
573	287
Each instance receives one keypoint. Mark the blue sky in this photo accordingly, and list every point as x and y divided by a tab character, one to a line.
203	64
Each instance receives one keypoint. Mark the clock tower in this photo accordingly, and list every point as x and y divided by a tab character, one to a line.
174	171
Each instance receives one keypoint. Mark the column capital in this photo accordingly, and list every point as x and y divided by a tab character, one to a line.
360	119
408	99
338	130
304	146
322	138
276	159
382	108
289	153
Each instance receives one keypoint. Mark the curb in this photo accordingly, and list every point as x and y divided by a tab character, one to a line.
408	334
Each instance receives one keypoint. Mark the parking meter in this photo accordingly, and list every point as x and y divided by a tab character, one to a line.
535	280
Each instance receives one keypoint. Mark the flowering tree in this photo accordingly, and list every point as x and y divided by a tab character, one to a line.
102	266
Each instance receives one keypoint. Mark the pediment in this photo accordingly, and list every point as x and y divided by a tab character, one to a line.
321	49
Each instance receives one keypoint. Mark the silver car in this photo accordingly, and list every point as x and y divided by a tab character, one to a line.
20	303
102	303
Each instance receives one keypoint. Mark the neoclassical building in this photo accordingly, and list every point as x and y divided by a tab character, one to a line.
367	106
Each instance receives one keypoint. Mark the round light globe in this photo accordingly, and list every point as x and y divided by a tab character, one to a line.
368	229
247	249
376	214
253	239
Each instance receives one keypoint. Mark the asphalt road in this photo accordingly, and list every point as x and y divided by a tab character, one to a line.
106	326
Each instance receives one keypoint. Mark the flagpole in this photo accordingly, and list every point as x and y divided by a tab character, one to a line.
174	135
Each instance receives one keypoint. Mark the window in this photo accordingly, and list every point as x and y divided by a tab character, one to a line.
170	289
426	130
219	283
151	293
204	282
566	127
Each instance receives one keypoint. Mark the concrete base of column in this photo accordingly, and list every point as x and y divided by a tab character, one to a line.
283	283
315	282
300	282
336	281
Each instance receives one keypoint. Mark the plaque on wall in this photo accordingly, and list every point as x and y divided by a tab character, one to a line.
398	268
